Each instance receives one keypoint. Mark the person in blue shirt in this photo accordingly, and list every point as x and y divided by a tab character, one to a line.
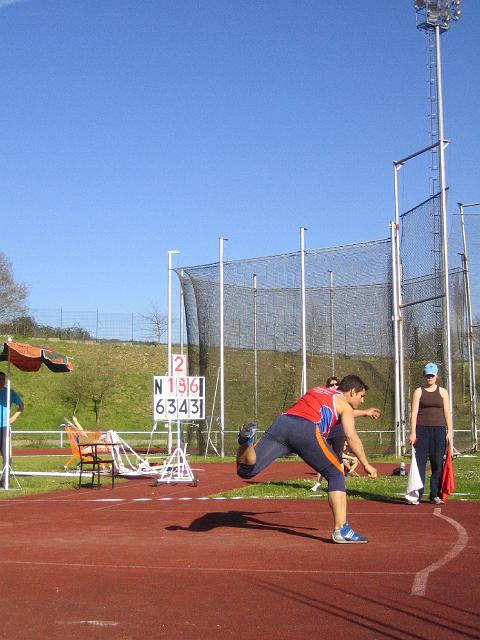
14	399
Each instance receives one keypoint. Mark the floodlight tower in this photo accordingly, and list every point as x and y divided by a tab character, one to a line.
434	18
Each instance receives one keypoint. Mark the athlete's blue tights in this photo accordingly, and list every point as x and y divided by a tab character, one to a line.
292	434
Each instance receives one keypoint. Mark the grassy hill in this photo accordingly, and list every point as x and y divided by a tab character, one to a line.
128	370
128	406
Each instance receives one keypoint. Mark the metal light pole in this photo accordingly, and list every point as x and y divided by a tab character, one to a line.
443	219
435	16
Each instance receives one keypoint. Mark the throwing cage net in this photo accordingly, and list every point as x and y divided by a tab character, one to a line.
348	317
471	261
423	322
348	330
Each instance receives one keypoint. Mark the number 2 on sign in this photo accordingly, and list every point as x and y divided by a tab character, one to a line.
179	362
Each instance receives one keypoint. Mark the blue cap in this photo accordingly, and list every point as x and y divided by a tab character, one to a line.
430	369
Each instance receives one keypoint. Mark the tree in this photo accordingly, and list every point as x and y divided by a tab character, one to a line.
93	380
12	294
104	380
20	326
156	322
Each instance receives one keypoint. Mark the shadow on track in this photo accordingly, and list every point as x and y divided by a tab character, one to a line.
365	495
242	520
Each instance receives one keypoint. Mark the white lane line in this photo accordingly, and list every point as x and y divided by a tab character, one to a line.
419	586
25	503
177	568
94	623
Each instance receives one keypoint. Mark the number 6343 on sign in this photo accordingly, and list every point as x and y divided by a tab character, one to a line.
178	398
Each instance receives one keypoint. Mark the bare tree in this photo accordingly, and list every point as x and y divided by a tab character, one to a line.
12	294
77	389
104	381
94	381
156	322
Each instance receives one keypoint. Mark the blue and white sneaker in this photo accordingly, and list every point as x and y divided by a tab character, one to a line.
346	535
246	435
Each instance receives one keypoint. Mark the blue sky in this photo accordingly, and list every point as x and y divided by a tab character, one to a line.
131	127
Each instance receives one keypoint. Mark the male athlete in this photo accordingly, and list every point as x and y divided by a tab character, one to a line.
303	429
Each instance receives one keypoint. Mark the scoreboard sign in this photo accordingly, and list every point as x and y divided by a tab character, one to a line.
178	398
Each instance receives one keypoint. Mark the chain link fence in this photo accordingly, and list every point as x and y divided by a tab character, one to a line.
84	325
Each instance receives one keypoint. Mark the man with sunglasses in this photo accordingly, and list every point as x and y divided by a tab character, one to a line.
303	429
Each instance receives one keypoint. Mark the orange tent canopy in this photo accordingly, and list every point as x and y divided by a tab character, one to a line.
27	357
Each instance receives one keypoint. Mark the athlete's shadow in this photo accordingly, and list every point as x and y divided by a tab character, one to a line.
241	520
356	493
288	484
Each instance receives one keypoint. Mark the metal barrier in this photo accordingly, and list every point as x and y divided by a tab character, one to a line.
60	433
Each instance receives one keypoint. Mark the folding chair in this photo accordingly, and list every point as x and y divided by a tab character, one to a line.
95	455
73	429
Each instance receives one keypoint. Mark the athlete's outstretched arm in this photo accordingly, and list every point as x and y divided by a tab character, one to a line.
373	412
354	443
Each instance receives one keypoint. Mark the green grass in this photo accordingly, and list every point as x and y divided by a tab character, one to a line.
32	485
466	469
129	405
36	485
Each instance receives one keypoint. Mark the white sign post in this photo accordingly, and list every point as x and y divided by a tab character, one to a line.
181	398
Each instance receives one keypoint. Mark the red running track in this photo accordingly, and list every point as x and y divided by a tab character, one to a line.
145	562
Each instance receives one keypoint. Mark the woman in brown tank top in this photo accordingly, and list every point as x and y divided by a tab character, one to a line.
430	429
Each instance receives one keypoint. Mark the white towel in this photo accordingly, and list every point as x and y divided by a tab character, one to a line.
414	481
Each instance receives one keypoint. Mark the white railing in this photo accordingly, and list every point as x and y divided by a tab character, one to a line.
163	433
62	436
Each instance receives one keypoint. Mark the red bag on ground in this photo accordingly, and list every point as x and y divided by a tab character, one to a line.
448	477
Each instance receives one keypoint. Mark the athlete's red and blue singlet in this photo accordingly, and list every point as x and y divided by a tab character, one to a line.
302	429
317	406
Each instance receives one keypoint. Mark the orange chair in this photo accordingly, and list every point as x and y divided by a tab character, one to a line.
73	430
